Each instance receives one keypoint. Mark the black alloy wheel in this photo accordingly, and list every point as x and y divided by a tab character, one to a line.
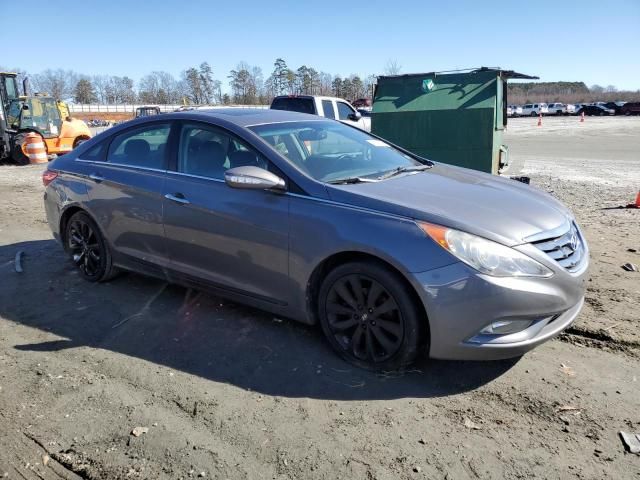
87	248
369	317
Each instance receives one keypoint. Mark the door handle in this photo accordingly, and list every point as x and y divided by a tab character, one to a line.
96	178
177	197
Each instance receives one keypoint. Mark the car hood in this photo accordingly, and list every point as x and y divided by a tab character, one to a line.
493	207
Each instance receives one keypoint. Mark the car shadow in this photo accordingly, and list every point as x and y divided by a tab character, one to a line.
203	335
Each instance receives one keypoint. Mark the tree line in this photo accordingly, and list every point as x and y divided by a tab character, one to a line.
566	92
198	85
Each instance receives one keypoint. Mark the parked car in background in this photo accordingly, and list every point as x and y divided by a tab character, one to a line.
328	107
557	109
598	110
307	218
514	110
147	111
572	108
362	103
535	109
615	106
630	108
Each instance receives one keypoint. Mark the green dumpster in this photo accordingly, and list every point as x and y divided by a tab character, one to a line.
450	117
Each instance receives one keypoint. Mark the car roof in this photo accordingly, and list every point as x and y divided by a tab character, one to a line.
244	117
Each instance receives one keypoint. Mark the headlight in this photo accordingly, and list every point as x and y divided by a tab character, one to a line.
484	255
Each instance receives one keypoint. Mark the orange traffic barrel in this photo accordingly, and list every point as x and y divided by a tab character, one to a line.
35	149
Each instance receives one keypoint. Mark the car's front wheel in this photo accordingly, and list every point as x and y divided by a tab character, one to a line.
369	316
88	249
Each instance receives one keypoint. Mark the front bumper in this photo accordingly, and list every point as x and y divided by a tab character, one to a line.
460	302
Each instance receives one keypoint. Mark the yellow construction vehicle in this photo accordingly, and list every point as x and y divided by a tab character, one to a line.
40	114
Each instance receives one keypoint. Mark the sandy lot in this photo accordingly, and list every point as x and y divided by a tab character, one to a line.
230	392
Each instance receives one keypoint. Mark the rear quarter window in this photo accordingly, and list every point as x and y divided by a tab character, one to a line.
97	153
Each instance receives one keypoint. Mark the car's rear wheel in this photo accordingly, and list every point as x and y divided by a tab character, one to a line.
534	114
88	249
369	316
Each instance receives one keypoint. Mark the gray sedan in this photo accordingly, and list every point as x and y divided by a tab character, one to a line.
393	255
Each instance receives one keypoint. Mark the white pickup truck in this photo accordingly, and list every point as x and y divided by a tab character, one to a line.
328	107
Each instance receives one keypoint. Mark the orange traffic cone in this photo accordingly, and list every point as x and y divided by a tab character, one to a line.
34	148
540	120
637	204
582	117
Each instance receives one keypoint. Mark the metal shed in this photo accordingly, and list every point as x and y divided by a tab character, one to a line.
451	117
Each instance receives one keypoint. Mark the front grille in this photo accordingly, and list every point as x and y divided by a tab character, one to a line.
567	249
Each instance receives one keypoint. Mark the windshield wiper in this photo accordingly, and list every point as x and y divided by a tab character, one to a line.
348	180
399	170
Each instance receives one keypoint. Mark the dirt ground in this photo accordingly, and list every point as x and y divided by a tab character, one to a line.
226	391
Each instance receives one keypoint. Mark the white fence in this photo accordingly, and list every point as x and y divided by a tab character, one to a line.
131	108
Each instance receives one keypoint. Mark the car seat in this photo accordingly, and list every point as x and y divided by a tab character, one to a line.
137	151
208	161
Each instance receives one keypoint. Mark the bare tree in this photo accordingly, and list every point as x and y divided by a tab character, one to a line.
392	67
370	85
120	90
57	83
159	87
325	82
246	84
100	85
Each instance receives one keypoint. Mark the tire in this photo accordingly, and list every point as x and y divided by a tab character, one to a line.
17	155
350	296
88	249
534	114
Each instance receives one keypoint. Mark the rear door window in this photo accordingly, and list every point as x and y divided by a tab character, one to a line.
143	146
327	108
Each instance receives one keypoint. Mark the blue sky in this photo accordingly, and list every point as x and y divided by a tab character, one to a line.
588	40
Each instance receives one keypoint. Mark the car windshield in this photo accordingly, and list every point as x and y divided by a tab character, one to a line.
330	151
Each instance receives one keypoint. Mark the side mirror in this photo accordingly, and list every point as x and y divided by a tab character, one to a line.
355	116
25	107
253	178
